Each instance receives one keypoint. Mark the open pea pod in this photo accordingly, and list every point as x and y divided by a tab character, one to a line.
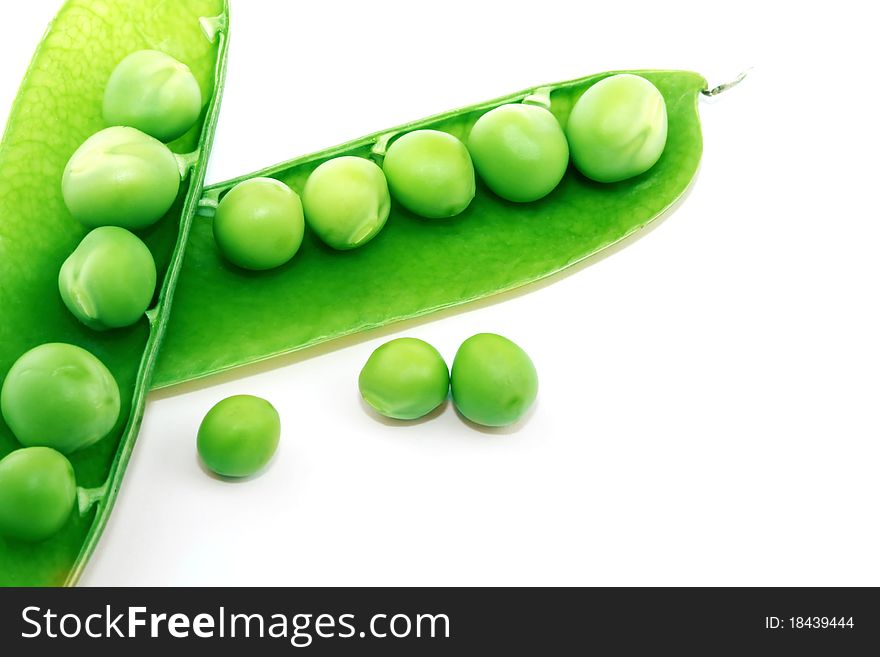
226	317
57	108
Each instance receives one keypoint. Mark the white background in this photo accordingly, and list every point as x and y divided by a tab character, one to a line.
709	395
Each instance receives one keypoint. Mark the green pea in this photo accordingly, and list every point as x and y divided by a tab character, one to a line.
259	224
61	396
109	280
520	151
430	173
153	92
617	128
404	379
239	435
37	492
120	177
346	201
494	381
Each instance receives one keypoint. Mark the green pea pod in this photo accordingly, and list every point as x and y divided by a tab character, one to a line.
226	317
58	106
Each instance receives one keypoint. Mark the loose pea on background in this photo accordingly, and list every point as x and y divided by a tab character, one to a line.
239	435
404	379
494	382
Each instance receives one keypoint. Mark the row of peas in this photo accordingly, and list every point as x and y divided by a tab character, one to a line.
616	130
58	398
493	382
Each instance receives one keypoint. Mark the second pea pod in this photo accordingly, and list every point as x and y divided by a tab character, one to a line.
433	214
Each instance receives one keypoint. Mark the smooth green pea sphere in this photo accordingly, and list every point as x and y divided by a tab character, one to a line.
37	492
153	92
617	128
120	176
404	379
109	280
494	382
430	173
61	396
346	201
239	435
520	151
259	224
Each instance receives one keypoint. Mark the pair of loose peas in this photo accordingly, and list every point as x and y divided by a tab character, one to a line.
493	381
616	130
58	398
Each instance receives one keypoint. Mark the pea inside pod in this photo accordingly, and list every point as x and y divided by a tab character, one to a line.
109	280
494	382
239	435
404	379
430	173
120	176
57	110
346	201
37	493
59	395
519	150
153	92
617	128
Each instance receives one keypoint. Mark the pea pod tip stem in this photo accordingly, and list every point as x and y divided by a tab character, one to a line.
381	146
539	97
186	162
724	86
212	26
87	497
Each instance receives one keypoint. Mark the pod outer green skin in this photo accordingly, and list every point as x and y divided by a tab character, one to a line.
58	106
416	267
